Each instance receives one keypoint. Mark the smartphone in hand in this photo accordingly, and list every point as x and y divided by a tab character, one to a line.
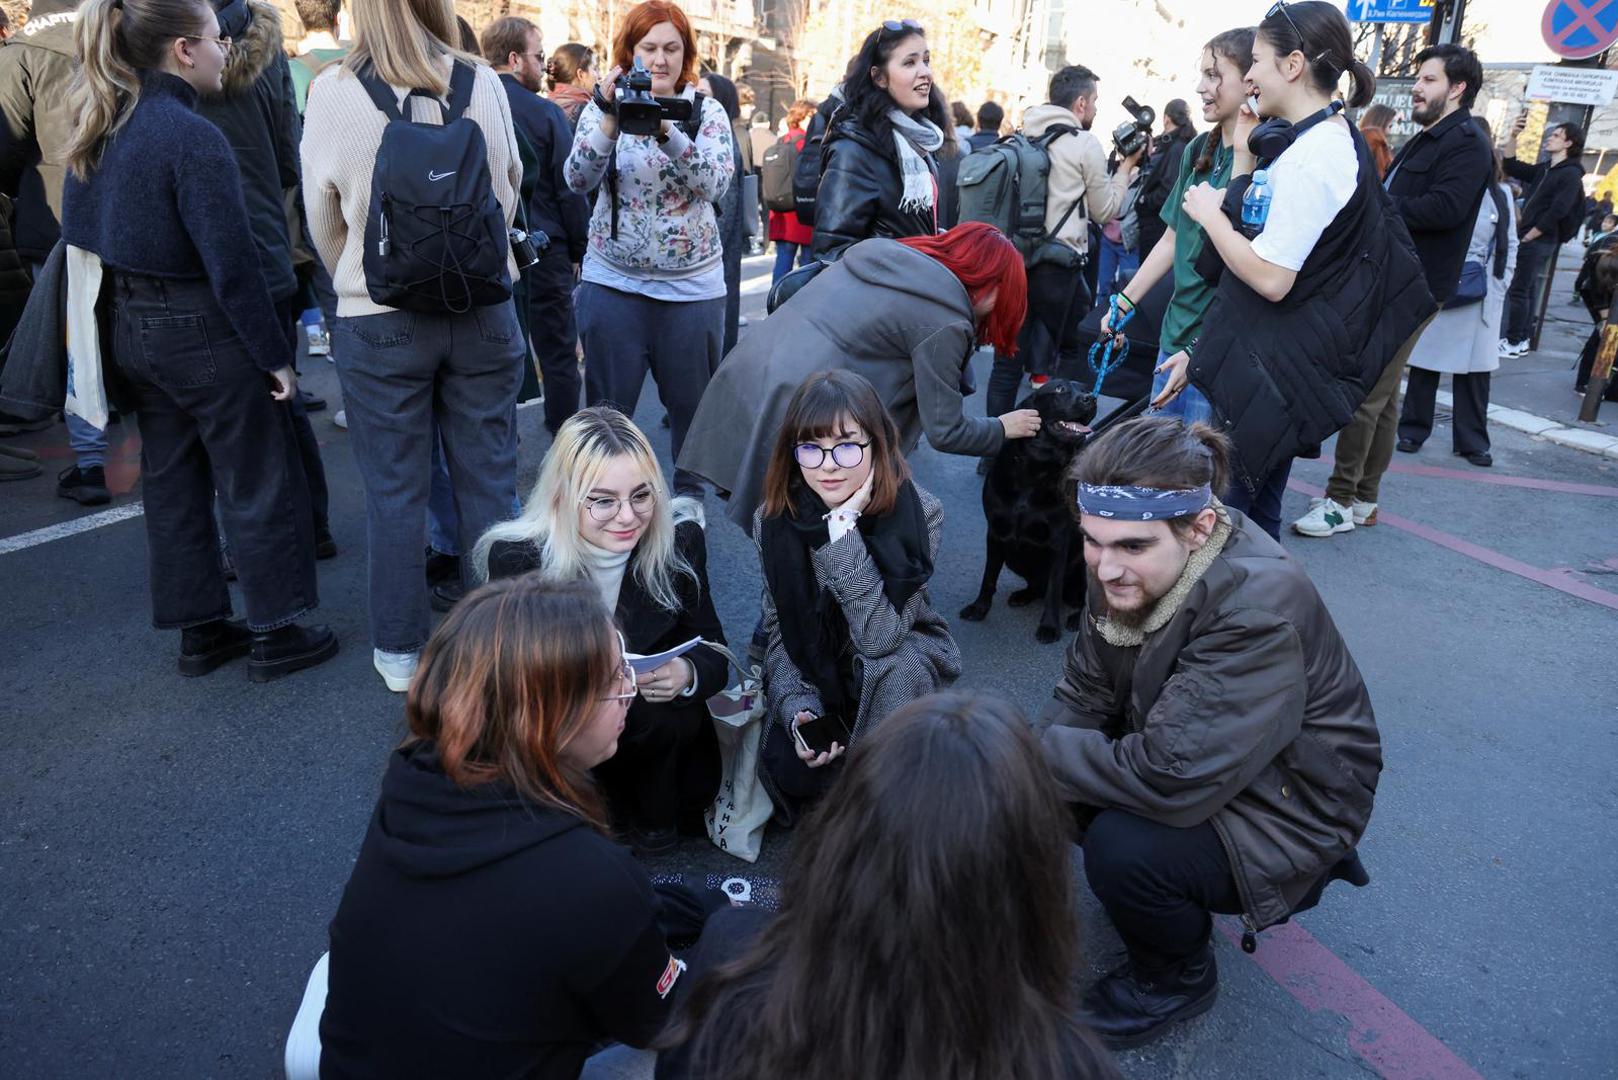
816	736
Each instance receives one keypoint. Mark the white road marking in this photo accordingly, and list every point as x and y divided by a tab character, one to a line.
23	541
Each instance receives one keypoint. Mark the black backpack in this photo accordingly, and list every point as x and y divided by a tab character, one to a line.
435	236
808	165
776	170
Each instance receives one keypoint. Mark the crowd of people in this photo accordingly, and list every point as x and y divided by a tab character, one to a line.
470	226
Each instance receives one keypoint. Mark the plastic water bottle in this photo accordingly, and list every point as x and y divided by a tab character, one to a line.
1256	201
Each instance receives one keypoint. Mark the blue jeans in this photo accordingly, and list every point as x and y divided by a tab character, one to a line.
400	371
1118	265
1189	404
443	523
89	442
1262	505
785	253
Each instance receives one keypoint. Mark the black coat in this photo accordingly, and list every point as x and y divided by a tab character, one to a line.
1284	376
1161	176
1555	203
482	934
258	114
554	208
1436	183
860	190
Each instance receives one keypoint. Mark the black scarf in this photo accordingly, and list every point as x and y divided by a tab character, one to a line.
813	627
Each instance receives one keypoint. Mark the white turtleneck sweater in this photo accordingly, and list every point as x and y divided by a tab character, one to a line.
606	570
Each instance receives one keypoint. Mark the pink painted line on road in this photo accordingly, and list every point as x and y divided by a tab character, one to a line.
1393	1044
1476	476
1563	583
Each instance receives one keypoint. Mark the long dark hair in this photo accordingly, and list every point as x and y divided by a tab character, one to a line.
866	102
1320	31
815	411
724	92
927	929
1235	46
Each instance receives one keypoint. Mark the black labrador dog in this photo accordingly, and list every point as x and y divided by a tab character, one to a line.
1033	529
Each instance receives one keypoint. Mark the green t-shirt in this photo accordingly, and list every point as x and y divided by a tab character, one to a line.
1182	322
306	67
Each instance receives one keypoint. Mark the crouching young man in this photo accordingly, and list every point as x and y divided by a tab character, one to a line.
1211	727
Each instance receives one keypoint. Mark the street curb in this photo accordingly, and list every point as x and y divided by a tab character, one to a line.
1593	442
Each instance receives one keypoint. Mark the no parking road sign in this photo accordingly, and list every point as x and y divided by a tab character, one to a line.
1579	29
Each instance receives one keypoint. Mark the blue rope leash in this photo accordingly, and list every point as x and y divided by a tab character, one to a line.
1105	346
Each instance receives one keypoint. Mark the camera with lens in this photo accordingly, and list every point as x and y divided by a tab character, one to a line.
1131	137
639	111
527	247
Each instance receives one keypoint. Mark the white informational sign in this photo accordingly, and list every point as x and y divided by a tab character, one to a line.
1572	85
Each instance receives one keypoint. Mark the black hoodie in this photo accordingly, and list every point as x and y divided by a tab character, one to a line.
481	935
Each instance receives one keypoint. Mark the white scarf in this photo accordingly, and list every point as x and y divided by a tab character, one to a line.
606	570
913	138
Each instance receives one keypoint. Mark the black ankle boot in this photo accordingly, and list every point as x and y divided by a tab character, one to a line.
291	648
203	648
1132	1006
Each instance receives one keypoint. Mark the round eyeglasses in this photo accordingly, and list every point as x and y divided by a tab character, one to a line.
845	455
604	508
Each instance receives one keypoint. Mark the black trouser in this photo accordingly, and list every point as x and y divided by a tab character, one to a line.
1263	503
1524	291
314	470
1159	884
555	337
666	770
207	423
1471	393
1058	299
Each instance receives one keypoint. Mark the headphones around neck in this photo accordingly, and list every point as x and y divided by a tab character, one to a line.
1272	137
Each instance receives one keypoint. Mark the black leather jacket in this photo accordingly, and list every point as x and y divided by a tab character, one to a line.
860	189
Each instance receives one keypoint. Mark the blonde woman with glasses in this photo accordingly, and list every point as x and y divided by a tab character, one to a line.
601	512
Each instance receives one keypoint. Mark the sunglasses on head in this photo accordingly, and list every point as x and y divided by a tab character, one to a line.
1280	8
893	26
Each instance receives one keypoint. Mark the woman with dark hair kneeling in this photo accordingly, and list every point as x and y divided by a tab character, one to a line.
907	315
848	543
945	830
490	928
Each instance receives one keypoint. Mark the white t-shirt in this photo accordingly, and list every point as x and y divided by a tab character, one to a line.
1309	186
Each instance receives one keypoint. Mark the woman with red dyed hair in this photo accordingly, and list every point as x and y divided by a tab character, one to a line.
907	315
651	292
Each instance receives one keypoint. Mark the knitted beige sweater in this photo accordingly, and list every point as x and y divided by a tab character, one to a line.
342	132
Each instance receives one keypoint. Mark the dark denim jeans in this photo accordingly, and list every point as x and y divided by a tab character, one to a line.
626	334
1049	341
207	423
401	370
555	335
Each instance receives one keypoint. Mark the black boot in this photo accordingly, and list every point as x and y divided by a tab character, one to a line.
87	487
1131	1006
203	648
291	648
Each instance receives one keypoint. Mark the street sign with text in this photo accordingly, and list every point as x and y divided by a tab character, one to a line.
1390	11
1573	85
1579	29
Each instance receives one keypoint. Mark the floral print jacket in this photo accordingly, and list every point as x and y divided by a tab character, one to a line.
666	194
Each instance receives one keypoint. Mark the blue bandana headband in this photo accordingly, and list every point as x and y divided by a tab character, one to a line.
1142	503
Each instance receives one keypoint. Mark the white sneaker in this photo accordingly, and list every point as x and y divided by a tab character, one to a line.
741	320
1364	513
340	418
1513	349
1326	517
396	668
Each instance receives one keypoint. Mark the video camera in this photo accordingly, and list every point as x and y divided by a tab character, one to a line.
639	111
1131	137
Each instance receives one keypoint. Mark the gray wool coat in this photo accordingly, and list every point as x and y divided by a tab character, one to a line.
884	311
899	655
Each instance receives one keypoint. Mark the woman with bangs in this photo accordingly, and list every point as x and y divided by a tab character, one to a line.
848	541
651	293
906	315
490	926
601	512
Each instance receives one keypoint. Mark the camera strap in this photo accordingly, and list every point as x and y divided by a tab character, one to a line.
691	125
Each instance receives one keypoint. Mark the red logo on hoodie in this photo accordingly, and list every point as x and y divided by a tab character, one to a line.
670	975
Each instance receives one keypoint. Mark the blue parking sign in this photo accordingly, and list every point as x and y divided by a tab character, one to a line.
1390	11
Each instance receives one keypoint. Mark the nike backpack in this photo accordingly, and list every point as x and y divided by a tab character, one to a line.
1004	184
435	237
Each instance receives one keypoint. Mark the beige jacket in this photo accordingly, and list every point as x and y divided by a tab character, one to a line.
342	131
1078	166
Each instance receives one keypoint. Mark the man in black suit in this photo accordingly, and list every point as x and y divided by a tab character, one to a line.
514	48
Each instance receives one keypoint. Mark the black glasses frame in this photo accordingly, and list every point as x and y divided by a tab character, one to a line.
1280	7
823	453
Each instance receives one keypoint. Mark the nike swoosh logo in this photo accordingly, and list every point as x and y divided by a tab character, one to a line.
438	175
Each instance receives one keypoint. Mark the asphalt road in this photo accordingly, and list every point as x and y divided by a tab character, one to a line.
171	850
